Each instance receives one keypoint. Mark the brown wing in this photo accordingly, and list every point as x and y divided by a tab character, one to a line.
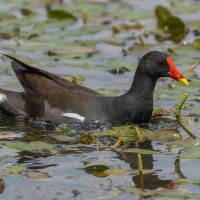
23	70
57	91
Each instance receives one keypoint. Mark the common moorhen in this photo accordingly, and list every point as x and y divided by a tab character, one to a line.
56	100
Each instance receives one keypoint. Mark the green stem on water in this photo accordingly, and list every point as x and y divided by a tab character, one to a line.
178	115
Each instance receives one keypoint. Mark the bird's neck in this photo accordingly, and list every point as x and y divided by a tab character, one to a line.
142	86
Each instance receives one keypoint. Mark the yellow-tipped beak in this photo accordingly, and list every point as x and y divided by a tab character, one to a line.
183	81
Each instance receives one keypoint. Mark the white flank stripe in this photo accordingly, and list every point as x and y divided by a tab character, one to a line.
3	97
74	115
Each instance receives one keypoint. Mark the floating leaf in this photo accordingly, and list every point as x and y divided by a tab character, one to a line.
61	14
36	145
108	92
32	35
72	50
38	175
95	169
6	16
162	15
27	12
196	43
184	143
87	139
141	151
14	170
120	70
127	13
165	134
173	27
189	181
7	152
176	28
64	138
6	35
191	153
39	145
112	172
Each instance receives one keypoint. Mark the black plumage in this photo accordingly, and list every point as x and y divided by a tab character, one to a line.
54	99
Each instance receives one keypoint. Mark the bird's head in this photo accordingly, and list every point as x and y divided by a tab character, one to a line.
157	64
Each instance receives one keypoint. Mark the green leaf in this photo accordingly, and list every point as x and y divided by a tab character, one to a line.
95	169
176	28
36	145
6	35
108	92
191	153
14	170
61	14
189	181
87	139
184	143
73	50
162	15
141	151
165	134
39	145
27	12
64	138
196	43
173	27
5	152
112	172
120	70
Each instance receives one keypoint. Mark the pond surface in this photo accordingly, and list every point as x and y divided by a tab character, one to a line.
38	163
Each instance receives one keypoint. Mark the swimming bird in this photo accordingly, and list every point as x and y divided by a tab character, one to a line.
55	100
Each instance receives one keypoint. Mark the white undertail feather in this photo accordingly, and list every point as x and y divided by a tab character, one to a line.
74	116
3	97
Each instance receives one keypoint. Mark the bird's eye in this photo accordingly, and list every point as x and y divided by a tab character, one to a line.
160	62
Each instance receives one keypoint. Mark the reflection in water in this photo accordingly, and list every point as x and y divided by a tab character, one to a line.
2	185
178	169
147	179
150	180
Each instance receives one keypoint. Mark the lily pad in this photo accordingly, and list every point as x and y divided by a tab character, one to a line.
191	153
95	169
184	143
141	151
36	145
173	27
6	35
196	43
87	139
73	50
176	28
118	71
108	92
63	138
112	172
61	15
189	181
162	15
165	134
13	170
38	175
27	12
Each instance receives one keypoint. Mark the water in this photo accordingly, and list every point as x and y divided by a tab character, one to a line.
38	163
